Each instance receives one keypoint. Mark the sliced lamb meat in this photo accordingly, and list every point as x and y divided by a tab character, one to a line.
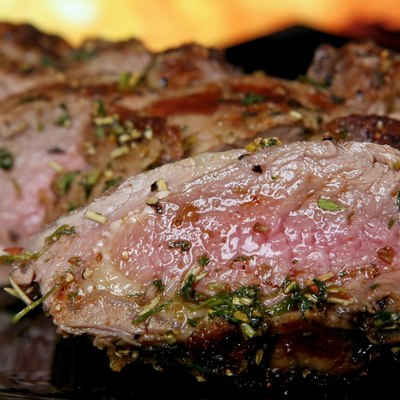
281	251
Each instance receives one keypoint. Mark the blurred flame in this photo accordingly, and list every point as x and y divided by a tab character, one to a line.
161	24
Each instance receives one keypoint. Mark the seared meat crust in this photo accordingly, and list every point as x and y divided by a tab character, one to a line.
365	128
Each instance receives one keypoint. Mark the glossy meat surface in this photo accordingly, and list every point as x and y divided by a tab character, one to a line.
101	113
308	212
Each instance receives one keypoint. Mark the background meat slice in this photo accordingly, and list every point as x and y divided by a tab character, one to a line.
31	59
363	75
312	223
365	128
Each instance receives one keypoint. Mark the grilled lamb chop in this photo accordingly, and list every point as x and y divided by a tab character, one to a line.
261	256
363	75
32	59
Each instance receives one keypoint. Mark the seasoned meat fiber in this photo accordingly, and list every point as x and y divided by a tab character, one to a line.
319	221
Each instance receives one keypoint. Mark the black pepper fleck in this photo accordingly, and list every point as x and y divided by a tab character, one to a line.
257	168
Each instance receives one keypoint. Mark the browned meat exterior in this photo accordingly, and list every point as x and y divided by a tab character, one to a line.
186	66
273	257
365	128
365	76
31	59
28	46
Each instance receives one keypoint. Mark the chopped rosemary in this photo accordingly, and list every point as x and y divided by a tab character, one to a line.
303	298
158	284
204	260
65	182
109	184
150	312
184	245
34	304
62	230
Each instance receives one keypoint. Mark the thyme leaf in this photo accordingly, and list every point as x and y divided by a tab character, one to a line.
253	98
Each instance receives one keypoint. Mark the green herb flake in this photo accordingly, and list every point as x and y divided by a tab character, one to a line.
89	180
186	291
252	98
391	223
6	159
71	206
306	79
109	184
62	230
100	110
34	304
80	55
204	260
99	132
240	258
158	284
151	312
123	80
330	205
47	61
72	296
184	245
194	321
74	261
65	182
62	120
375	286
344	133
